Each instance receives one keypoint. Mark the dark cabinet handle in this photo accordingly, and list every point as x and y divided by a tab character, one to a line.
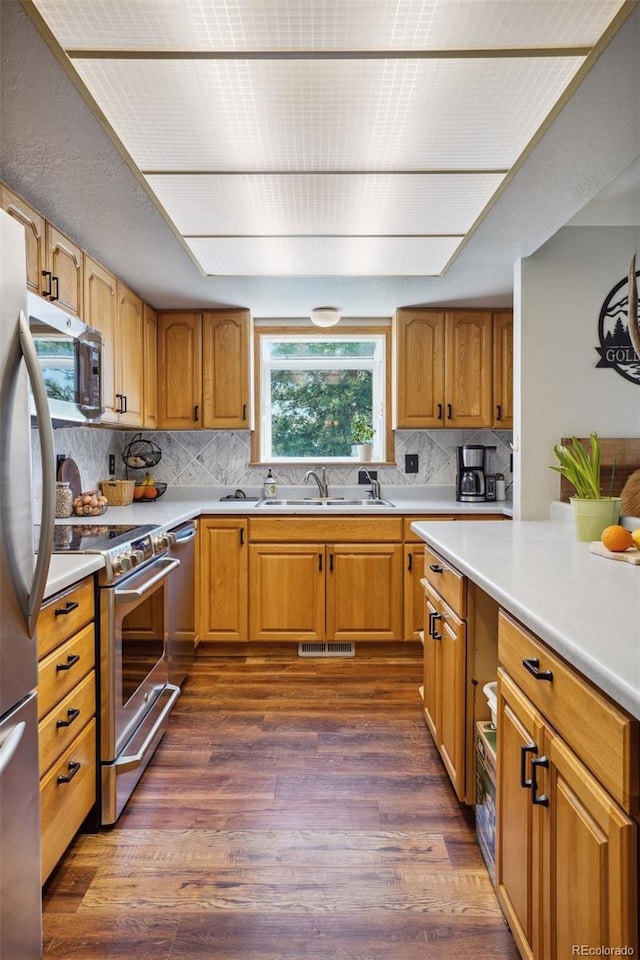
410	562
244	411
533	666
47	273
543	799
118	404
432	619
449	411
242	536
73	768
331	562
56	295
524	750
124	403
498	413
435	567
68	607
72	714
440	411
320	562
196	413
72	659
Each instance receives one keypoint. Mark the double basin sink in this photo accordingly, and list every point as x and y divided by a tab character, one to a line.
326	502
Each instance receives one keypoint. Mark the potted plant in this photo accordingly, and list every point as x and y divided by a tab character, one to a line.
592	511
362	436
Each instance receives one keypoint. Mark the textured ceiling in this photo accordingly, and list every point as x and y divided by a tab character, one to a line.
360	173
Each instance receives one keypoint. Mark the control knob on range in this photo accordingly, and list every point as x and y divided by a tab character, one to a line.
161	542
136	556
121	564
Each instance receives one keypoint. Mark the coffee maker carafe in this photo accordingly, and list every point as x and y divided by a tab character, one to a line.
470	477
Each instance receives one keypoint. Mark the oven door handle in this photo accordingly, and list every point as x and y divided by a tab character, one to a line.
130	761
128	596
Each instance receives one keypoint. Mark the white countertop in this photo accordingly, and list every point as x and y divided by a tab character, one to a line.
183	503
585	607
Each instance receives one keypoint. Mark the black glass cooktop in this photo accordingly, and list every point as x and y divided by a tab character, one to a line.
89	537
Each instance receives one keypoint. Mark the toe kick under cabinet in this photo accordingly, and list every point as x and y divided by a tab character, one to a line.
66	711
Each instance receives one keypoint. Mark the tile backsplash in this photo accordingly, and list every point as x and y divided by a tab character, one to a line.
222	457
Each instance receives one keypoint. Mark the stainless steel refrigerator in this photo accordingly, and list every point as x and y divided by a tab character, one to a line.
22	583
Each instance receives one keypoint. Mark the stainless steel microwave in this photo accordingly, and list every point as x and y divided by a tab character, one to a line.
70	355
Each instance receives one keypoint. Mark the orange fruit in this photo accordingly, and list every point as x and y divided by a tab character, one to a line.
138	493
617	538
150	492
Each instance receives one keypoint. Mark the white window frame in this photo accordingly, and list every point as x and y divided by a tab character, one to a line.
377	364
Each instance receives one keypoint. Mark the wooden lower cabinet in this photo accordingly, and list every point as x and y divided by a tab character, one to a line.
224	579
66	712
445	646
287	599
567	852
318	591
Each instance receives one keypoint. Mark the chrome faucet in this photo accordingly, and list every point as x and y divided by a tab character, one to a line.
321	480
374	493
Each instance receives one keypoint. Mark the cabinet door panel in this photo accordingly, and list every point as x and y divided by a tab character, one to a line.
65	261
432	664
150	391
225	370
451	739
223	580
419	339
179	371
100	303
468	375
130	342
287	591
364	592
518	892
413	592
34	232
503	370
586	836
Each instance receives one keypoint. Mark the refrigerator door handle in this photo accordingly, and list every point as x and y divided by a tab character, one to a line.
10	744
48	457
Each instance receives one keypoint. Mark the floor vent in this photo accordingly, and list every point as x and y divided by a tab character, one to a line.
326	649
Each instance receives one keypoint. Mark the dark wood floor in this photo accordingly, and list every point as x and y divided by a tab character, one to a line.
295	809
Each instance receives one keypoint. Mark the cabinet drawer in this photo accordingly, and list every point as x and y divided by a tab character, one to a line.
374	529
65	803
447	581
604	737
59	672
62	724
63	616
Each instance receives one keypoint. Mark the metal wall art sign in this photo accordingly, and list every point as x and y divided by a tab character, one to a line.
619	328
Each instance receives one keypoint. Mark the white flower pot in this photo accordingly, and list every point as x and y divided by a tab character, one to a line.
365	451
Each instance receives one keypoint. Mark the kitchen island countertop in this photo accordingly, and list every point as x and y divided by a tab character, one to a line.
585	607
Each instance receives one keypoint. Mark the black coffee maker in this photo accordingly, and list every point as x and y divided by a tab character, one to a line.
471	484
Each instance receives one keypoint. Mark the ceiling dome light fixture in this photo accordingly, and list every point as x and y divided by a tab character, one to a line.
325	316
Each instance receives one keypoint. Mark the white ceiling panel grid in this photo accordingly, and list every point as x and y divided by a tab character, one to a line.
359	25
323	256
266	204
326	137
320	115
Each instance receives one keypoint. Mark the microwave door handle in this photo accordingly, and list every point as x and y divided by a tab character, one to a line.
48	458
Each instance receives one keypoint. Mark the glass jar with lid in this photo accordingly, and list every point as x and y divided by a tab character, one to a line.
64	499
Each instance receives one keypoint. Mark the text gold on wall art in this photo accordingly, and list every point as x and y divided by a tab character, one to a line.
619	328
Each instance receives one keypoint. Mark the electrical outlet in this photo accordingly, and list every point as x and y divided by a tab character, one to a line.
366	476
112	464
411	463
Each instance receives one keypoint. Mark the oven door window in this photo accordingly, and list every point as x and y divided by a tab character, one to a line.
142	642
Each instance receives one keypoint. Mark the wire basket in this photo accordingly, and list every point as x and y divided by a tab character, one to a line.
141	454
119	493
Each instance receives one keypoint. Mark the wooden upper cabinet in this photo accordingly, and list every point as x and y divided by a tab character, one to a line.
225	369
64	286
100	308
444	368
34	230
179	370
468	369
419	346
503	369
129	357
150	370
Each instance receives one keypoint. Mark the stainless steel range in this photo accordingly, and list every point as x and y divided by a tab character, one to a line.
135	694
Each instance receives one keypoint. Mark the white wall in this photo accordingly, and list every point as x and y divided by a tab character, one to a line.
558	294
